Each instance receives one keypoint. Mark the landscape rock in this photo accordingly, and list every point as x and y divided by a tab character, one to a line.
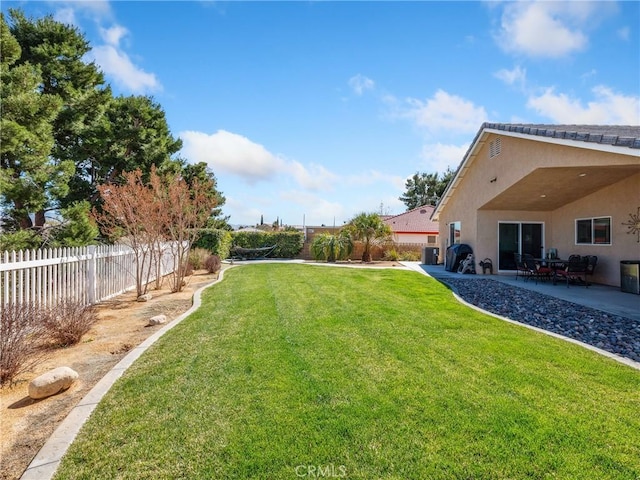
613	333
52	382
157	320
145	298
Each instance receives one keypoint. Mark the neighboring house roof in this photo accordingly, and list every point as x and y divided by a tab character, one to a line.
248	229
624	139
417	220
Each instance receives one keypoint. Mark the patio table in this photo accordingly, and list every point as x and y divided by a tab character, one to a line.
554	264
551	262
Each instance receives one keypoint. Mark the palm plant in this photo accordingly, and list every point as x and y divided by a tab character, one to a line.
369	229
329	247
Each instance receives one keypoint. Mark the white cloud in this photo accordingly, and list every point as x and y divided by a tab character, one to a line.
366	179
235	154
547	29
359	84
66	15
114	34
67	11
246	209
445	112
316	177
438	157
591	73
114	62
315	209
607	107
517	76
624	33
117	64
232	153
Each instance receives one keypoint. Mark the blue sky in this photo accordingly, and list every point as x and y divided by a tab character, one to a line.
316	111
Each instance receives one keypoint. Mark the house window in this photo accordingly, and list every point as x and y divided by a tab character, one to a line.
454	233
593	231
495	147
431	239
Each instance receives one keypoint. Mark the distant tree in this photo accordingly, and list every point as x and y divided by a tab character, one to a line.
420	190
134	135
205	176
443	181
59	51
425	188
27	177
77	229
368	228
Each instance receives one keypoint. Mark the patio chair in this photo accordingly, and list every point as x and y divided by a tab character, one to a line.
575	270
535	270
521	266
591	261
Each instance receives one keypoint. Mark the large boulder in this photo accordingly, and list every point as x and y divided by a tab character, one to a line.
157	320
52	382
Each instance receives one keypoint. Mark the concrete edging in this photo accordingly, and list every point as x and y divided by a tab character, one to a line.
46	462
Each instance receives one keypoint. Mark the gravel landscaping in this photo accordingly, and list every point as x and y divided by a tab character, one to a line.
612	333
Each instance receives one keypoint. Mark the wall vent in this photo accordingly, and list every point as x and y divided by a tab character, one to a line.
495	147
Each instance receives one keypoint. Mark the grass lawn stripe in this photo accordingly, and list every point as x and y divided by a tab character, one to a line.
379	372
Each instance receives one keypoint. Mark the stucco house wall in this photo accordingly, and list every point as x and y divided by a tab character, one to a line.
416	238
528	180
617	201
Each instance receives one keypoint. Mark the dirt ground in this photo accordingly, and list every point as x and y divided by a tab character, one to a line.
26	424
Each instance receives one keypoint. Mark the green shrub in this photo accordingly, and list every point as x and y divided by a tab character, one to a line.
329	247
391	255
197	257
215	241
409	256
288	244
20	240
77	229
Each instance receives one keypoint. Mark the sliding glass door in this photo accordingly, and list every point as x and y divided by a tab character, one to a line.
518	237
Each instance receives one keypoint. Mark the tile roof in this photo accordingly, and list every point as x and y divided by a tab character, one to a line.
417	220
618	135
614	135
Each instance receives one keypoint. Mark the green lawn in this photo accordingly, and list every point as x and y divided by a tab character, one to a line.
299	371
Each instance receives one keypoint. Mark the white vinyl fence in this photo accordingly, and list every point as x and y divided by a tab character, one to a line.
85	274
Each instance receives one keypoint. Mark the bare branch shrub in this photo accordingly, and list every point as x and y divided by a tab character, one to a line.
144	215
213	264
187	269
68	321
22	337
186	209
130	215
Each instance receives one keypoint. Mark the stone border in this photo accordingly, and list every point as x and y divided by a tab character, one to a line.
627	361
46	462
